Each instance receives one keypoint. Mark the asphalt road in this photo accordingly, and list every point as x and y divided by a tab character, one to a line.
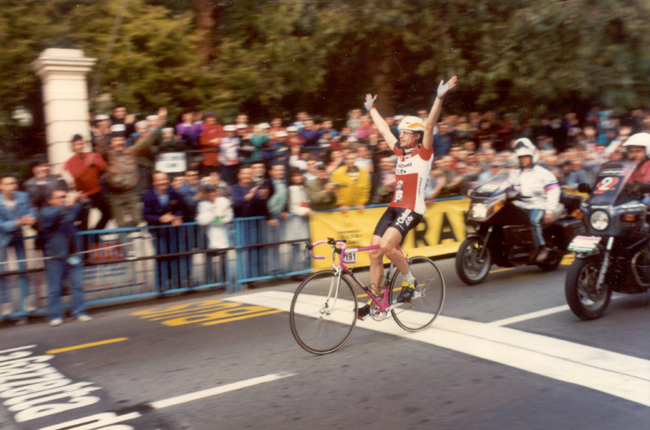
507	354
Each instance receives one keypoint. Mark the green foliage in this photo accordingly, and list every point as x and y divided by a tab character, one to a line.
288	55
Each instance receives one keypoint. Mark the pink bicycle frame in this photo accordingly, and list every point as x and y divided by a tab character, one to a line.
381	302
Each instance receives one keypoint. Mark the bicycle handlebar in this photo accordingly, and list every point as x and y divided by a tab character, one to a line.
339	247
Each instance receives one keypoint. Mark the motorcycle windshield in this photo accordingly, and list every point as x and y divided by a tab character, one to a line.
614	184
494	186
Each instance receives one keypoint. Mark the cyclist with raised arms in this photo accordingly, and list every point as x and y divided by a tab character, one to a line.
414	150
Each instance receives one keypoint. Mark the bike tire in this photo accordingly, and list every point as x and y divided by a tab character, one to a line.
428	299
323	314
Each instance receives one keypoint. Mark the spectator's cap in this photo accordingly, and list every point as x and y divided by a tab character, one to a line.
118	129
230	127
141	124
240	126
102	117
281	133
152	117
497	164
398	117
292	129
352	139
265	125
168	130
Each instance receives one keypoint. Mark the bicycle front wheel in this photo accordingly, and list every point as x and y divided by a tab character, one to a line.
428	297
323	312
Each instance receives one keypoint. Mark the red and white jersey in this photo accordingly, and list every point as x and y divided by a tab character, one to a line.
411	175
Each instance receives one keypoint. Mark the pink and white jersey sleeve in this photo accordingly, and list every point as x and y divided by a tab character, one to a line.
411	175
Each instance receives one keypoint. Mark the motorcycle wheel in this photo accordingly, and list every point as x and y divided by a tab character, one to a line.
583	299
469	269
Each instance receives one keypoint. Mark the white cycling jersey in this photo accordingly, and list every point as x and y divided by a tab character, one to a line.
411	175
539	185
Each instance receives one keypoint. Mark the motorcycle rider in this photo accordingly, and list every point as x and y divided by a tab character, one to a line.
638	150
539	189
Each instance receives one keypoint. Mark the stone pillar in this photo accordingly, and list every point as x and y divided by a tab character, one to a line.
65	99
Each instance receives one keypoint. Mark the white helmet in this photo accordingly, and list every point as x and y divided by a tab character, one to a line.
639	139
411	123
524	147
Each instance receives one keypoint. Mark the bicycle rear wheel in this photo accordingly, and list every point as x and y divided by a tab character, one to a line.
428	297
323	314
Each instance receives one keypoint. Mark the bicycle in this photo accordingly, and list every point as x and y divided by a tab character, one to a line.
324	308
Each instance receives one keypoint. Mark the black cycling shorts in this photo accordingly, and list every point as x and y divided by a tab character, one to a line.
401	219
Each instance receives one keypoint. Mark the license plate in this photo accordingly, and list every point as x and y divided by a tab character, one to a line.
350	256
583	243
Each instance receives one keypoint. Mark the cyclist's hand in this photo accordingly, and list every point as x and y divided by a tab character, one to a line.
444	88
370	102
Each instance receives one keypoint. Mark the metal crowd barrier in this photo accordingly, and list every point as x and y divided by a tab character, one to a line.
126	264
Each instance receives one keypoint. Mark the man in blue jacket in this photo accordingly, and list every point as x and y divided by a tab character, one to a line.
56	221
165	208
15	212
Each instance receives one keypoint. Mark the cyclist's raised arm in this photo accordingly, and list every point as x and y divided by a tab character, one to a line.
432	119
380	122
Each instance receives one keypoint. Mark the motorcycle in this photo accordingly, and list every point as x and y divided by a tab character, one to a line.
504	233
616	255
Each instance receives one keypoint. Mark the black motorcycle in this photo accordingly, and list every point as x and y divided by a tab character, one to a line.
616	257
504	234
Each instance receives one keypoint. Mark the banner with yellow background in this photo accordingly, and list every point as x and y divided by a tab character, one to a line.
440	232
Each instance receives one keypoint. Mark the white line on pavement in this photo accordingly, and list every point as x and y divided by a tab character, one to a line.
218	390
608	372
530	316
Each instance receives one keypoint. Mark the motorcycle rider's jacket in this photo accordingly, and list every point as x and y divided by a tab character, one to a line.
538	186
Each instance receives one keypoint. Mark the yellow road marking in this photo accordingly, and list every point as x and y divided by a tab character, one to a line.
209	312
502	270
86	345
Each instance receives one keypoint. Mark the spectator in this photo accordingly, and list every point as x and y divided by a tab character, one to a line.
322	193
327	127
259	141
215	212
101	134
335	161
294	139
209	141
354	120
276	126
122	177
280	148
365	129
492	170
241	122
40	186
277	202
86	168
364	160
441	141
383	181
15	212
163	206
298	158
120	116
435	183
229	154
57	225
309	133
312	170
190	191
249	199
298	224
353	184
188	131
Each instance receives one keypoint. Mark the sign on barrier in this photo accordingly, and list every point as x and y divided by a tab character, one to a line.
171	162
106	276
440	232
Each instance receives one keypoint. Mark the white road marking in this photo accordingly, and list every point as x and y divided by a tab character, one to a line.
218	390
530	316
608	372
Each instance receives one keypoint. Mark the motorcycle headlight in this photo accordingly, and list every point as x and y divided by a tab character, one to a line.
479	211
599	220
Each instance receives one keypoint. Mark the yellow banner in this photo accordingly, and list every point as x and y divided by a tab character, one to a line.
440	232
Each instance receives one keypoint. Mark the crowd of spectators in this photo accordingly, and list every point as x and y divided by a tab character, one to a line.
284	170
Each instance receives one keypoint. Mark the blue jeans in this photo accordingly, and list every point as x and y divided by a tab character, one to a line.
536	216
56	270
19	246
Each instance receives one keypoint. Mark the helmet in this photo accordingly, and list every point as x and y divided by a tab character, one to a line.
639	139
524	147
411	123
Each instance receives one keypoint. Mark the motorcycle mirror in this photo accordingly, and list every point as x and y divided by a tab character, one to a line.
584	188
